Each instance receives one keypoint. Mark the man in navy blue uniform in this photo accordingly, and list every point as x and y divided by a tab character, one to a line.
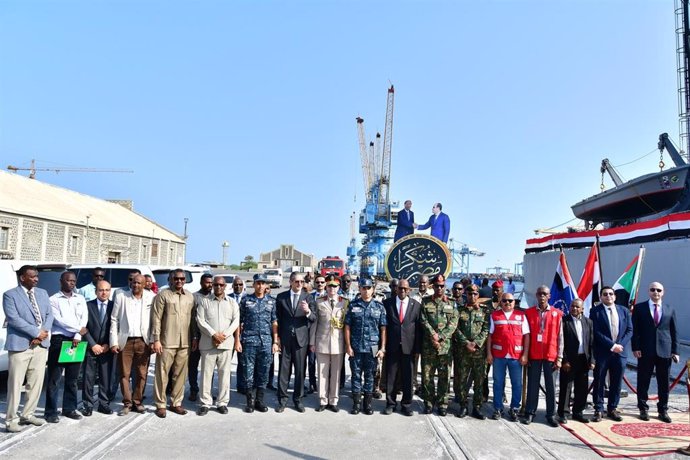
365	342
405	222
439	223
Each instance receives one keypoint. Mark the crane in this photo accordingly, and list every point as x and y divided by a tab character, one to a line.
32	169
352	248
461	256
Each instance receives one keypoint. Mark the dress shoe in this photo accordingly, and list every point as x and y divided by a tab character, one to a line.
496	415
160	412
31	420
477	414
442	411
406	411
280	408
87	411
333	408
512	415
644	415
139	408
462	412
428	409
52	418
528	419
388	410
299	407
179	410
614	415
13	427
105	410
663	416
73	414
597	416
321	408
222	409
580	418
551	421
203	410
562	419
193	395
124	411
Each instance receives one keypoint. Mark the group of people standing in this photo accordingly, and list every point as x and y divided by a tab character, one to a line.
388	337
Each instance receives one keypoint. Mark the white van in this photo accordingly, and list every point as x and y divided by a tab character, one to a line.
275	277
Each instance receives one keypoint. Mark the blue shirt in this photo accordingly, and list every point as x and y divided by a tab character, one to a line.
365	320
257	316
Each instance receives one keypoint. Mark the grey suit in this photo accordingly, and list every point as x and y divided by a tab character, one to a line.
25	360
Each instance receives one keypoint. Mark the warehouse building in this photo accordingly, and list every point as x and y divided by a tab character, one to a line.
43	222
286	257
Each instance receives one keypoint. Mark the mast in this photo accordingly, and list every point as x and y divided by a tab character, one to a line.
683	65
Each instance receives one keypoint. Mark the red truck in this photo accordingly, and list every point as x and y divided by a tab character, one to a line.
331	266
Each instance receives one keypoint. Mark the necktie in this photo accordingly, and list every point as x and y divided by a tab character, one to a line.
101	310
614	324
332	304
401	316
294	302
656	314
35	310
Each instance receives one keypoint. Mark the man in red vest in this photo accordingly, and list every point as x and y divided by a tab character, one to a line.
545	354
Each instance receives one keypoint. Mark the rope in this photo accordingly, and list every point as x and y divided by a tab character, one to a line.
656	397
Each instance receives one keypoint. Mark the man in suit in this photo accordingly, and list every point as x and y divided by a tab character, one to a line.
129	340
206	288
172	329
654	344
577	361
439	223
612	333
404	332
295	310
405	222
29	321
98	363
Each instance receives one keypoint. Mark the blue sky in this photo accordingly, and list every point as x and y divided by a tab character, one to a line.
241	115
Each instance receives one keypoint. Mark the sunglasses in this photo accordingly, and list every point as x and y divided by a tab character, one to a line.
439	285
332	285
655	290
607	294
457	289
507	300
179	278
218	284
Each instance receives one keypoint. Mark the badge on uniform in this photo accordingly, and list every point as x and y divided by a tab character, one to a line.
539	338
356	309
554	313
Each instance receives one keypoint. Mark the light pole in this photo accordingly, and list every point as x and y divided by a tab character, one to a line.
225	245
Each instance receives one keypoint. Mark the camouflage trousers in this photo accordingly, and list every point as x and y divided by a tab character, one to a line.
431	393
256	360
475	365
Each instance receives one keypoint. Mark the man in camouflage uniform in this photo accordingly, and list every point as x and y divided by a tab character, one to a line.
439	320
473	328
458	294
258	323
365	323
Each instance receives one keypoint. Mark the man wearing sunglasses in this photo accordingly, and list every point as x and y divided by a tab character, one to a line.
612	334
654	344
439	321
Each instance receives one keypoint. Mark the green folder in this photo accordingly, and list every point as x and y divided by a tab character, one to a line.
72	354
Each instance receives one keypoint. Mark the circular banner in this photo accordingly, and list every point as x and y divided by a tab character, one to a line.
415	255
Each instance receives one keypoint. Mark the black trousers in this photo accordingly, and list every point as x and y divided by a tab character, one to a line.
54	376
396	362
645	366
98	368
536	368
293	356
311	367
193	370
577	377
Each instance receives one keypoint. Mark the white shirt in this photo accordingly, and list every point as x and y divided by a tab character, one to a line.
651	309
134	320
611	312
405	303
70	314
578	329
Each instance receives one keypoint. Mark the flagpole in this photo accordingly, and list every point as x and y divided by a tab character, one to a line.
638	276
601	269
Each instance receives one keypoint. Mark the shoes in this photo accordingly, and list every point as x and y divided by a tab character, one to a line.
87	411
160	412
139	408
222	409
193	395
529	418
321	408
551	422
105	410
462	412
259	401
13	427
512	415
428	409
496	415
663	416
52	418
614	415
580	418
74	415
442	411
366	404
644	415
597	416
124	411
406	411
270	386
299	407
280	408
562	419
203	410
179	410
388	410
477	414
355	403
31	420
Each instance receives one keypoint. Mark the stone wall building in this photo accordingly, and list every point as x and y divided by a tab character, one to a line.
286	257
43	222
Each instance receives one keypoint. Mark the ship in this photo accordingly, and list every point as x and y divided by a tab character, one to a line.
652	210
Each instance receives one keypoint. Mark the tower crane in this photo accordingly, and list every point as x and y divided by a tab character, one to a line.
461	257
352	248
32	169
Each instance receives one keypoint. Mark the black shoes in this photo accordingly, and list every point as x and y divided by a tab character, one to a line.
222	410
512	415
496	415
332	408
87	411
74	415
280	408
477	414
355	403
52	418
321	408
442	411
388	410
551	422
203	410
663	416
406	411
193	395
644	415
428	409
597	416
529	418
562	419
462	412
105	410
299	407
614	415
580	418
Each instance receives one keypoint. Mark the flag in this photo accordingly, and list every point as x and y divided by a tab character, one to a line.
629	282
590	282
562	290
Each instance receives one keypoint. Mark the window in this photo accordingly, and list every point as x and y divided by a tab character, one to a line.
74	245
4	238
154	249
